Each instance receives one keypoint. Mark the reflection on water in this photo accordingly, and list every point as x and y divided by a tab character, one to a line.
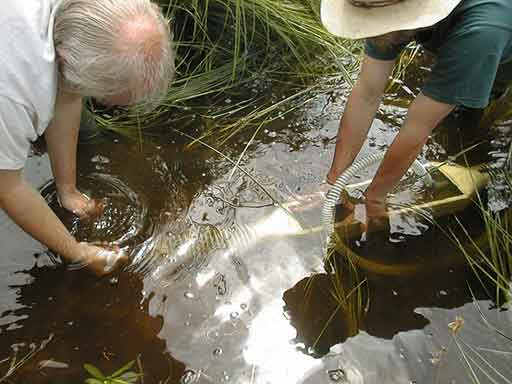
123	221
226	287
82	319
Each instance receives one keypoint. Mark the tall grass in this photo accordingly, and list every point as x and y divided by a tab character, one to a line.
492	261
223	46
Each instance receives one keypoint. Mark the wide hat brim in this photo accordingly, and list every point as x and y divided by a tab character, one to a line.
343	19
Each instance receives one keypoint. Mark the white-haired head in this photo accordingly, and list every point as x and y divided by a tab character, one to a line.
117	50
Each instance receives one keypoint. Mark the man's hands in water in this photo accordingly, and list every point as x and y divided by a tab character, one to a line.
101	259
81	205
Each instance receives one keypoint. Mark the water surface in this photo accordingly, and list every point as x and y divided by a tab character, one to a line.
263	312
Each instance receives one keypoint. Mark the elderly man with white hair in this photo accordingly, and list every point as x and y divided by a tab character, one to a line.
54	53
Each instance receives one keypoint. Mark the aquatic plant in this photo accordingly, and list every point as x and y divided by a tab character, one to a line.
238	49
15	362
347	289
478	360
492	260
121	376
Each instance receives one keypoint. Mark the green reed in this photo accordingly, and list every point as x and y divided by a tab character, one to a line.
492	260
223	46
121	376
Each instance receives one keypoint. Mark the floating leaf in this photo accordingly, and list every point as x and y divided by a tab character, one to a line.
122	370
94	381
95	372
129	377
456	325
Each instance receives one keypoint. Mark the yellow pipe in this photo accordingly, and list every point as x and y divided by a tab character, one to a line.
468	182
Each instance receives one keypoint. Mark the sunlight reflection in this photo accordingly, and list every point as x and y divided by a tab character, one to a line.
223	312
204	277
279	223
182	250
270	348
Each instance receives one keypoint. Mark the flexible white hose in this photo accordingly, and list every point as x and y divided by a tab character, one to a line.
333	195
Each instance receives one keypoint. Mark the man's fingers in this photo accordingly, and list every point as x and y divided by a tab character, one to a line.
91	208
113	259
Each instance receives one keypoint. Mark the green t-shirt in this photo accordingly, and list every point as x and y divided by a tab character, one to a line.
473	48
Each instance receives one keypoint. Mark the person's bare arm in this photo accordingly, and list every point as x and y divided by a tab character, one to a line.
359	113
61	139
30	211
423	116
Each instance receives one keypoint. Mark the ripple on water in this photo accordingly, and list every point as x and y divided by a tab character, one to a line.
123	221
189	377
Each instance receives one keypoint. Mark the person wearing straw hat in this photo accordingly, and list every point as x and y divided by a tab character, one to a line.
472	44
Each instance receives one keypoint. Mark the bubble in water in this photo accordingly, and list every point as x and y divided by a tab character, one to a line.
243	306
225	376
234	315
337	375
114	280
189	376
212	334
217	352
189	295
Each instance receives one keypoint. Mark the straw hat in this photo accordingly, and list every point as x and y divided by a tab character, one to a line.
356	19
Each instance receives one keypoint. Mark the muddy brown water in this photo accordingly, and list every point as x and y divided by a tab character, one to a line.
249	315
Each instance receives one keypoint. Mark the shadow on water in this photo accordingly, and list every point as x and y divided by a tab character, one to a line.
70	317
83	319
264	312
388	303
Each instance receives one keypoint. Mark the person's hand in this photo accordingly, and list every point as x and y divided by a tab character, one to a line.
101	259
80	204
332	176
376	215
310	200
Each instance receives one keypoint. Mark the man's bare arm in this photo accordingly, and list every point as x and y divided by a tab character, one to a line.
30	211
359	113
423	116
61	139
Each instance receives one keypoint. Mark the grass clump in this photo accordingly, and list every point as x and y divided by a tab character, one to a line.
238	50
491	261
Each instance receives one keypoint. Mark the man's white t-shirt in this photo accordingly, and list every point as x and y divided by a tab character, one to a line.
28	76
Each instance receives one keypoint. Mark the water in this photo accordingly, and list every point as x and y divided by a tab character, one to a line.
263	314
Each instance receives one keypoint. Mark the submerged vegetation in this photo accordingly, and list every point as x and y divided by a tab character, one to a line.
121	376
493	260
